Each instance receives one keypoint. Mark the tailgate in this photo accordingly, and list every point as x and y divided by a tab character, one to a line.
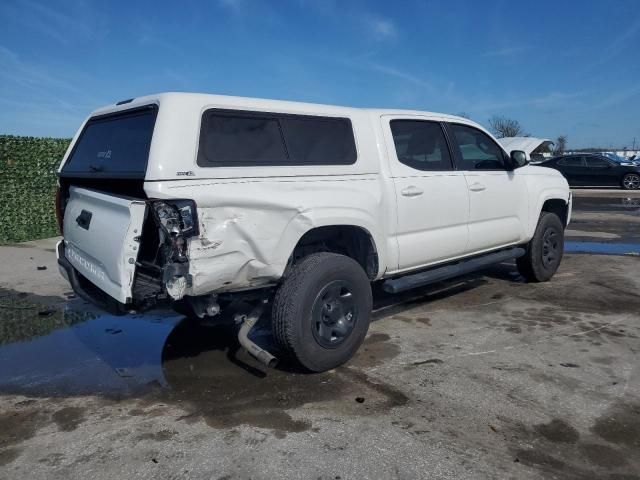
101	234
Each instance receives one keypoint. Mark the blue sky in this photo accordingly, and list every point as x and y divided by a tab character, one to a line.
559	67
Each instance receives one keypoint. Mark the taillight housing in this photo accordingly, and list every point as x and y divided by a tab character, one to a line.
59	210
178	221
177	217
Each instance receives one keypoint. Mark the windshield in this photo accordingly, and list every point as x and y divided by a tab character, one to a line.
614	157
114	145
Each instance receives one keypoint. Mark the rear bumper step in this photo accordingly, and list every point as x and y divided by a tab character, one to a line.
396	285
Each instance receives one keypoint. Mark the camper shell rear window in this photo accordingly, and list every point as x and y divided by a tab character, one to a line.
232	138
114	145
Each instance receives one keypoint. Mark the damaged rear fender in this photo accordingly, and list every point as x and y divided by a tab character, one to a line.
252	248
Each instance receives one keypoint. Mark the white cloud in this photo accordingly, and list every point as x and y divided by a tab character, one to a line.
30	75
616	46
552	99
616	97
61	23
236	6
23	79
381	28
504	52
622	39
394	72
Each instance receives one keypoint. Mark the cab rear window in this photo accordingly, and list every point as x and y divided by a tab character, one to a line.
238	139
113	145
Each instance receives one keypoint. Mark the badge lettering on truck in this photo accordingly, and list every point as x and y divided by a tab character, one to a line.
87	266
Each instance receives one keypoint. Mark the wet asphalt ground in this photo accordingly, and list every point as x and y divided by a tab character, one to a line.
482	377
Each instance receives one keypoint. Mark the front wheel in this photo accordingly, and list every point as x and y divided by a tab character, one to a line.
544	251
631	181
322	310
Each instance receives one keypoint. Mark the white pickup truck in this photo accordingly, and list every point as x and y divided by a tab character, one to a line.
205	200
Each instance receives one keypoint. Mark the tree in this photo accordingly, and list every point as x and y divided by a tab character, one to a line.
505	127
560	145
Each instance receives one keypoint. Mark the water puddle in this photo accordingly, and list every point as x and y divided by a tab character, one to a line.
602	248
80	350
627	205
75	349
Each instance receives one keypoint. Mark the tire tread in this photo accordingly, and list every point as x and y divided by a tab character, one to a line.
290	294
530	265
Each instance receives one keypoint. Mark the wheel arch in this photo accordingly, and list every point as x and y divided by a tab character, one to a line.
558	206
552	201
352	240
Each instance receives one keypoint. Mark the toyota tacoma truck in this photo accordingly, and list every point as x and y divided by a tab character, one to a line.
201	201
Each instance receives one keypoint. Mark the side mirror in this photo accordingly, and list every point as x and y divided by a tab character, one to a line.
518	159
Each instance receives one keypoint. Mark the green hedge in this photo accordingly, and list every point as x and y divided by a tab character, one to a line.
27	186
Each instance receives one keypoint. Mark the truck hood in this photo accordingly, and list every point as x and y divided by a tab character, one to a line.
526	144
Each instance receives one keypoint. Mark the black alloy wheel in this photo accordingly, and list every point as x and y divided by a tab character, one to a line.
334	314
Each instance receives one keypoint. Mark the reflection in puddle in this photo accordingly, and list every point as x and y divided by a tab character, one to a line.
82	350
602	248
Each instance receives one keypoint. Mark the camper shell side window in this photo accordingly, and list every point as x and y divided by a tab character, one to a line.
232	138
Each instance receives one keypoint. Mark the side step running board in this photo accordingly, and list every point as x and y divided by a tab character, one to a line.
437	274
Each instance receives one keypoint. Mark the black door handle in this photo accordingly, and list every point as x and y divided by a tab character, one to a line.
84	219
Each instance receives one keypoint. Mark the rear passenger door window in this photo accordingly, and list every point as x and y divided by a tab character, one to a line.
597	162
572	162
601	171
421	145
476	150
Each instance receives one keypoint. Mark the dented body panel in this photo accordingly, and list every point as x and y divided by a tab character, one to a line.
249	228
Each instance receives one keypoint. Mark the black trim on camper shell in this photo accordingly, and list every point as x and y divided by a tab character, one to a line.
136	174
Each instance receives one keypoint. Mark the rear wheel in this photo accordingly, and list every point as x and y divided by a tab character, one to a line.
631	181
544	251
321	312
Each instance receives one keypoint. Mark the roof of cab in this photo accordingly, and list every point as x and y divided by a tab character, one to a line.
210	100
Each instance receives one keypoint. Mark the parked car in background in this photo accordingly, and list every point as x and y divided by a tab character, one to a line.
592	170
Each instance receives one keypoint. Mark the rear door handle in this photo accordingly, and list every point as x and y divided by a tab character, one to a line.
412	191
477	187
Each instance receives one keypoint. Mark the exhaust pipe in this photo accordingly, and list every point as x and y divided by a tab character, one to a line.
248	322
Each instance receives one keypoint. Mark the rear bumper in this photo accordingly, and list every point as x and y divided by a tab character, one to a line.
62	265
68	271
